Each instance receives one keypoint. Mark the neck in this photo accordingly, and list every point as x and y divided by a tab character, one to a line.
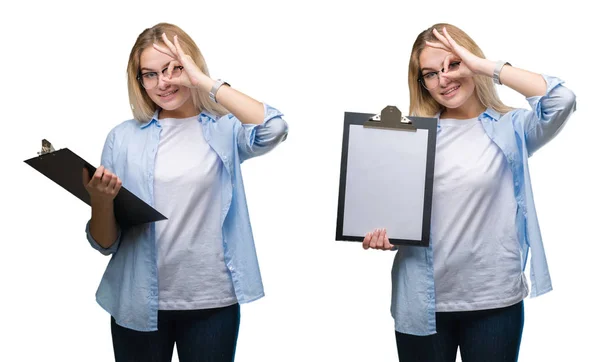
470	109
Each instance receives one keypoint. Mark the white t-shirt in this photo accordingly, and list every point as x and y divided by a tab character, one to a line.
476	254
191	269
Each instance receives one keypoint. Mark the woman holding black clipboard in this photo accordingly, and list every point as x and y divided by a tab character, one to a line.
466	289
179	281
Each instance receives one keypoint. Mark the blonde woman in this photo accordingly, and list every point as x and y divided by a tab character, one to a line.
466	289
179	281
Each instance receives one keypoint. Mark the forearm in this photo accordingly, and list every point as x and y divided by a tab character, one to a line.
525	82
243	107
103	224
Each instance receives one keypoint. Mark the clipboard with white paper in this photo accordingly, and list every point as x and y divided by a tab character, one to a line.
386	177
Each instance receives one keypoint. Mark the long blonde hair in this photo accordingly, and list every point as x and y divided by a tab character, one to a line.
421	102
142	106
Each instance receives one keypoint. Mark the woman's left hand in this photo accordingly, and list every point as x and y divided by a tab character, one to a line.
470	63
191	76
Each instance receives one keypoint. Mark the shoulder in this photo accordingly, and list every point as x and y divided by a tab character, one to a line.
122	133
125	127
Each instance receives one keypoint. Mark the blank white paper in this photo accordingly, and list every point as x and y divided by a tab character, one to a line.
385	182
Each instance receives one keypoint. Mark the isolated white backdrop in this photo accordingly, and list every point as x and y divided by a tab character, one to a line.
63	78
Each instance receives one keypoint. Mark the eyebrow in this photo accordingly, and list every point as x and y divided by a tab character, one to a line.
152	70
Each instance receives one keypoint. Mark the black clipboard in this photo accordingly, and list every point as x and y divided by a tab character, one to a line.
374	143
64	167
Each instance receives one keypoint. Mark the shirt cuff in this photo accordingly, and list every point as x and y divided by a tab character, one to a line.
105	251
250	129
536	101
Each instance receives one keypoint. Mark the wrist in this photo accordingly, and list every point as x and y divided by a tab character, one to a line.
101	203
486	67
204	82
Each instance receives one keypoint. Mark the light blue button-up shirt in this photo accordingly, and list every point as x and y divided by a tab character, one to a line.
518	134
129	288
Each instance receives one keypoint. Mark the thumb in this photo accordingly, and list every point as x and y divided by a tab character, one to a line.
85	176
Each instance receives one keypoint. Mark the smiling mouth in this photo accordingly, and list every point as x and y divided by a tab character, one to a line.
168	94
451	90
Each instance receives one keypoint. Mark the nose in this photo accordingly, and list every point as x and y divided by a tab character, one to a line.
161	82
443	79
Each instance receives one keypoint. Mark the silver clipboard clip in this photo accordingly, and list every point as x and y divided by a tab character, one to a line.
46	147
390	118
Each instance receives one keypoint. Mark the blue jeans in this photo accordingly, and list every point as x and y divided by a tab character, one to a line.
492	335
206	335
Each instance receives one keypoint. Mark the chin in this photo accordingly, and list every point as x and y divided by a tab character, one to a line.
455	102
452	104
171	104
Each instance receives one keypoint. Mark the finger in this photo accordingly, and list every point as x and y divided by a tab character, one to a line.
453	75
106	178
437	46
118	186
164	50
373	243
447	63
386	242
174	81
170	69
112	183
450	39
169	44
180	51
97	178
380	239
441	38
367	240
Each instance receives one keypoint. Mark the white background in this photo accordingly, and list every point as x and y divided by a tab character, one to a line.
64	78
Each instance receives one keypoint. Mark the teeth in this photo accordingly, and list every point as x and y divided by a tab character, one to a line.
451	90
168	94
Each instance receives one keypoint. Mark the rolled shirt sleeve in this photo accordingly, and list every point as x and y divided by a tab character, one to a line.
257	139
548	113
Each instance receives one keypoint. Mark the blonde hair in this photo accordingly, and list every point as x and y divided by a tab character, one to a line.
142	106
421	102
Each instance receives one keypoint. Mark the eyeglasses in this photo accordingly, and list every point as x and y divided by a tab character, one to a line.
149	80
431	80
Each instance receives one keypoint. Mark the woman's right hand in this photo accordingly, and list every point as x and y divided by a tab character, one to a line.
377	239
103	186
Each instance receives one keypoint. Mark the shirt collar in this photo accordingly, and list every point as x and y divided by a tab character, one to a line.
491	113
207	117
204	117
153	119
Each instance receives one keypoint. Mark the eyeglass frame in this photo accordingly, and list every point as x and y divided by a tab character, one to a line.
162	72
422	81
